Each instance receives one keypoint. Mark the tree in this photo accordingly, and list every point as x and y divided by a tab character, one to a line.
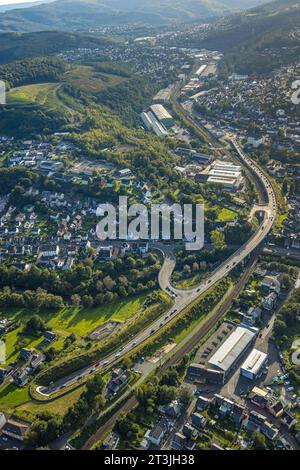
186	395
260	442
35	326
171	377
87	301
76	299
285	187
94	385
218	240
166	394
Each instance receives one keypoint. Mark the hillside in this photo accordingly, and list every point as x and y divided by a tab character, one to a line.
85	14
14	46
45	93
258	40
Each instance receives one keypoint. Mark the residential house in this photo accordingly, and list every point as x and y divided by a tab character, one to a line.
26	354
178	441
49	336
198	421
270	301
119	378
288	420
15	428
49	250
157	433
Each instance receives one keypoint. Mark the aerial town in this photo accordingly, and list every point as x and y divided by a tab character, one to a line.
115	341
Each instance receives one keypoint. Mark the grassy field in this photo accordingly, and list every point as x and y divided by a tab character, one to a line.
59	406
87	79
38	94
49	96
226	215
13	340
67	321
12	396
82	321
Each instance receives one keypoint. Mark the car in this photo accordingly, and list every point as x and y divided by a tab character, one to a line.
121	349
134	343
161	324
117	355
4	439
152	331
209	281
105	362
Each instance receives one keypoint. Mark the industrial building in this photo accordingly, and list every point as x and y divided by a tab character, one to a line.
226	174
152	124
162	115
200	70
254	365
200	158
163	96
221	353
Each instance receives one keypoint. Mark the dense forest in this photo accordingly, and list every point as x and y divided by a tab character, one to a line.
37	70
14	46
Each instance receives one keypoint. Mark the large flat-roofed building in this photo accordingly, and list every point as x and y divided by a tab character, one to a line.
163	116
163	96
151	123
229	353
221	353
225	174
254	364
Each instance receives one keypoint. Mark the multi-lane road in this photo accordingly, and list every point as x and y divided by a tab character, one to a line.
182	297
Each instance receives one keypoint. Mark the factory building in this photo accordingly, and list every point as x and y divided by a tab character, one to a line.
163	96
162	115
226	174
221	353
200	70
152	124
231	351
200	158
254	365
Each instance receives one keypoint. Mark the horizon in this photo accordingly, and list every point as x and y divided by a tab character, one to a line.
17	2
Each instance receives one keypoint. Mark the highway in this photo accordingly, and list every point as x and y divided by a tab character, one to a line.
182	297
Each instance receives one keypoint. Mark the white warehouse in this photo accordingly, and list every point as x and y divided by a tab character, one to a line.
254	365
226	174
151	124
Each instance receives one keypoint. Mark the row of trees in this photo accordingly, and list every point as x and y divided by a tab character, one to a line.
39	299
48	426
81	284
27	71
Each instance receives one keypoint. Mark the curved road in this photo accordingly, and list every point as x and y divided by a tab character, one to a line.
183	297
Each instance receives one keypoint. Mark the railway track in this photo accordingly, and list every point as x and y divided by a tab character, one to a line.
132	403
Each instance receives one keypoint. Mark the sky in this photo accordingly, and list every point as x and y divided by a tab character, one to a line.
11	2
